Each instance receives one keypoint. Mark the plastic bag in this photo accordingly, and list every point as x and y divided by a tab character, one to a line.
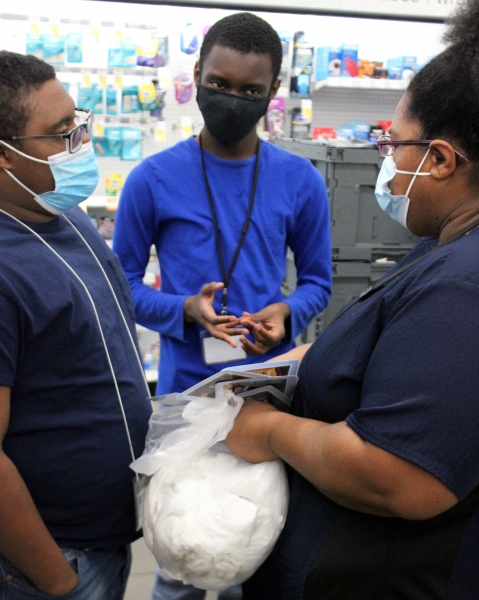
210	518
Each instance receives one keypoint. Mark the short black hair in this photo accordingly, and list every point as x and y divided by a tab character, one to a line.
245	33
444	96
19	76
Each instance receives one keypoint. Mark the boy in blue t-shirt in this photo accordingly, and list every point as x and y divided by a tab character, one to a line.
74	404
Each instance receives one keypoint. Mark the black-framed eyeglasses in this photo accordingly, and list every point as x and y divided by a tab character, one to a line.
74	137
387	146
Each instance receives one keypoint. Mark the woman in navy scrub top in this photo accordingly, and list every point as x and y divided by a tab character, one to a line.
382	443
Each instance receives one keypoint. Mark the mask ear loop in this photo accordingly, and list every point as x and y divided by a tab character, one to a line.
416	174
36	197
12	176
44	162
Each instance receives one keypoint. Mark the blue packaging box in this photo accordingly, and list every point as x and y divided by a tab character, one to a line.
131	149
334	62
322	63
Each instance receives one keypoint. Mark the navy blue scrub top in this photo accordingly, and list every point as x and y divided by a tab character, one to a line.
402	368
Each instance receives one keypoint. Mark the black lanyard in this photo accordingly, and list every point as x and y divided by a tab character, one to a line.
381	283
227	276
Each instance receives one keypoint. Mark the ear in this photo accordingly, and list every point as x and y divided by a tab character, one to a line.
274	89
444	159
5	157
197	73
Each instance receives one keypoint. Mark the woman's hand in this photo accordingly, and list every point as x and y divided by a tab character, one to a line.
250	436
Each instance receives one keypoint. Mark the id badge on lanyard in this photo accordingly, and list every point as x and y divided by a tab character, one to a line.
218	351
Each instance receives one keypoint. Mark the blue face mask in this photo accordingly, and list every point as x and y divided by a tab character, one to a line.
76	177
395	206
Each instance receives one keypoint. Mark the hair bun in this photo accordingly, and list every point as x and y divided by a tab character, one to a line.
462	27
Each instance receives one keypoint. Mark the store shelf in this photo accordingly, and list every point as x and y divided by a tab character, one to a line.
84	69
364	83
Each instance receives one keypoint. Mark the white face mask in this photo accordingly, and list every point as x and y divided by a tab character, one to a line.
76	177
395	206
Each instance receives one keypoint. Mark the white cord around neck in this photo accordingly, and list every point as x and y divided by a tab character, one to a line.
116	302
110	364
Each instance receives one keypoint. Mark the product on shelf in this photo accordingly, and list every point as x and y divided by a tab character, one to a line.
160	93
113	184
328	62
129	100
131	143
34	45
189	39
106	227
303	56
300	125
323	133
401	67
74	46
380	72
122	53
54	49
111	94
365	68
147	96
275	117
385	126
285	70
91	98
183	88
349	60
153	52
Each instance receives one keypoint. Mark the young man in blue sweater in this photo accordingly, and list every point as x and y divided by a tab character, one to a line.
222	209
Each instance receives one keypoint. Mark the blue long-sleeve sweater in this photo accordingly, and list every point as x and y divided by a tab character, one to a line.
164	203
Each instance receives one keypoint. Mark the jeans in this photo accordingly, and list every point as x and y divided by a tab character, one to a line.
166	588
102	575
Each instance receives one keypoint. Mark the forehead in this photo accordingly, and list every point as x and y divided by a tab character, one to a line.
48	105
232	64
403	127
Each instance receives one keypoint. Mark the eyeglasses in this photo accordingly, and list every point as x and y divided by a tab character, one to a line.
387	146
74	137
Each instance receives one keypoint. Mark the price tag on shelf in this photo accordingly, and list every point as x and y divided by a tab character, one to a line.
164	77
307	108
186	127
86	80
98	129
55	27
119	31
160	131
95	31
35	26
119	80
103	79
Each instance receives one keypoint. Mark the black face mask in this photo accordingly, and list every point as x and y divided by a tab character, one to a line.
229	117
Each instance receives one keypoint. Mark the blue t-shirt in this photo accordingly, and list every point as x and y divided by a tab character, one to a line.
66	434
401	368
164	203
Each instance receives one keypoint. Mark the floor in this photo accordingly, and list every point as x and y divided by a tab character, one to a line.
142	574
